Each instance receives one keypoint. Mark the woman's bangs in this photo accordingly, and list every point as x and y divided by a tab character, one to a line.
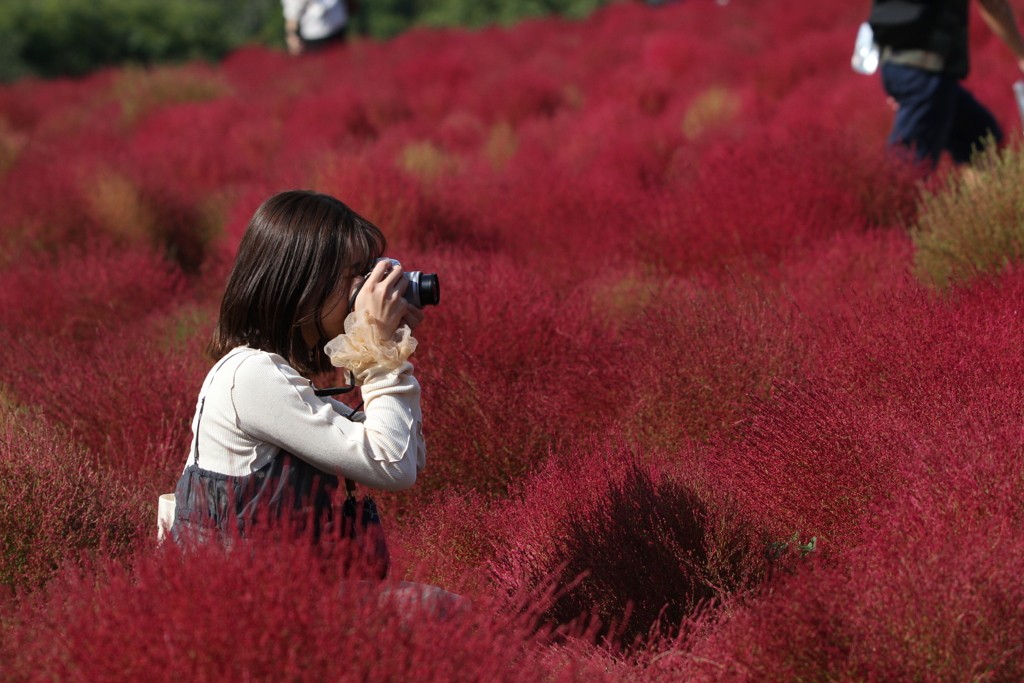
365	245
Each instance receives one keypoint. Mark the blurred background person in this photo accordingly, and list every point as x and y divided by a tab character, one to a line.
924	56
312	24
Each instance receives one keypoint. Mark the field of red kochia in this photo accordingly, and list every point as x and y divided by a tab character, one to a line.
691	412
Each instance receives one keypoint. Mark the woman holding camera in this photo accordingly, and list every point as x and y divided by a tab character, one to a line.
304	293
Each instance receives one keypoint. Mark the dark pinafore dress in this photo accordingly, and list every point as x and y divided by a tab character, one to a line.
286	495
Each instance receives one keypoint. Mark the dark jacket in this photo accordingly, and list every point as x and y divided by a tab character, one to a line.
938	26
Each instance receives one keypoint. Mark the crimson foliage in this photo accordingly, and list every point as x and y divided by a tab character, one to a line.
678	339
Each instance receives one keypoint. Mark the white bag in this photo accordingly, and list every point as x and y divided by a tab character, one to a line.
164	515
865	51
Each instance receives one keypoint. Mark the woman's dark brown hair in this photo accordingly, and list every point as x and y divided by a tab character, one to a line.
295	252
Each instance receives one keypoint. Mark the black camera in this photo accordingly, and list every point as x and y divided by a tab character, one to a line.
424	288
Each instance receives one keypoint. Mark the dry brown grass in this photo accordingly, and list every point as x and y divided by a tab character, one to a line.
973	224
716	106
140	90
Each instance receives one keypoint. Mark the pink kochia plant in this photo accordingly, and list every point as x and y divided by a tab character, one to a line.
272	611
55	505
683	379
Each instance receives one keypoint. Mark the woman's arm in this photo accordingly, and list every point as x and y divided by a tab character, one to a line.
293	11
999	17
386	450
275	404
291	37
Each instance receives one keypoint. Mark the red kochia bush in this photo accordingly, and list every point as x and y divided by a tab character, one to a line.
673	227
135	422
633	539
42	106
763	199
259	614
54	505
813	461
906	371
934	594
72	295
694	367
652	549
509	364
86	344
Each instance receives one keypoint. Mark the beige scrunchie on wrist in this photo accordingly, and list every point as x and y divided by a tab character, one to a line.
362	348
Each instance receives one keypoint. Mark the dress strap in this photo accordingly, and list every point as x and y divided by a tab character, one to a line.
195	445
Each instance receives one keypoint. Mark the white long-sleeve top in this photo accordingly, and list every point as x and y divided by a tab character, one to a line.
316	18
254	404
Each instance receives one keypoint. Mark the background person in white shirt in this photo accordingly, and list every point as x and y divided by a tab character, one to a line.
311	24
261	435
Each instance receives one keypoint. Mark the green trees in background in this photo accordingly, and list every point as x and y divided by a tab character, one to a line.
386	18
72	37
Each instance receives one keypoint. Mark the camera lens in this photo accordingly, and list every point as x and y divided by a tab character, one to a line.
430	289
423	290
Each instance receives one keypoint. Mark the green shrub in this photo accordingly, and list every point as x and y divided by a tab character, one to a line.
72	37
974	223
386	18
483	12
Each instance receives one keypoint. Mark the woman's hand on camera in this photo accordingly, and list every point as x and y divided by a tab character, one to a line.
413	317
381	295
